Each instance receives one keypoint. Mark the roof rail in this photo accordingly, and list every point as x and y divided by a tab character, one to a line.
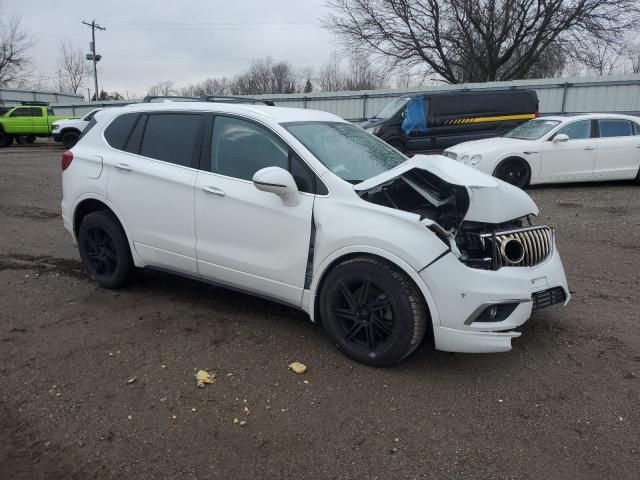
175	98
36	104
228	99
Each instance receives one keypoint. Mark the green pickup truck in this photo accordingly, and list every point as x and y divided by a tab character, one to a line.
28	121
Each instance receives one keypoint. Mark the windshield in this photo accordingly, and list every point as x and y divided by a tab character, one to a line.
348	151
391	109
532	130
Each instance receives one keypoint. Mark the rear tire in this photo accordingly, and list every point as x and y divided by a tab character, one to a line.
69	139
515	171
372	311
5	139
104	250
30	139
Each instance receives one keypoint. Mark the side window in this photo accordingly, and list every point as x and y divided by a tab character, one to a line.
50	112
118	131
171	137
577	130
636	128
614	128
21	112
89	117
240	148
36	112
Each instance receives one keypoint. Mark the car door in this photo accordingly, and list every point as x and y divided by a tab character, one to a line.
246	238
573	159
22	120
618	153
150	182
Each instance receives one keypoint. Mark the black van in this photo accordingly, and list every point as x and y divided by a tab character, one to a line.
434	121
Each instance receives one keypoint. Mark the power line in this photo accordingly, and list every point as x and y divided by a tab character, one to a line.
93	56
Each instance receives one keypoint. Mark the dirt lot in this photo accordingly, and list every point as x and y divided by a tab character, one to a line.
563	404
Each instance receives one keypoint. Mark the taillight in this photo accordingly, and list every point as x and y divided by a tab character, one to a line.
67	158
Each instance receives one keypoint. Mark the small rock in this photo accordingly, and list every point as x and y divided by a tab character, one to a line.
131	380
298	367
246	411
129	417
194	409
242	423
235	420
202	378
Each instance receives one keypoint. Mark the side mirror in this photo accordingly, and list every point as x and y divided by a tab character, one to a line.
560	138
275	180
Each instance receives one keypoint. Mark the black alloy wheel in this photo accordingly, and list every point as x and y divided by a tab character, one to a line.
104	250
69	139
364	313
514	171
372	311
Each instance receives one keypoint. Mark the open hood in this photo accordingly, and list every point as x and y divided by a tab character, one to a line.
439	182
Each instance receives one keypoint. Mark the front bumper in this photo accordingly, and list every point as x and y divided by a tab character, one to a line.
460	292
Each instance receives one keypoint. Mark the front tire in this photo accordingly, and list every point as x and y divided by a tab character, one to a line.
372	311
104	250
69	139
515	171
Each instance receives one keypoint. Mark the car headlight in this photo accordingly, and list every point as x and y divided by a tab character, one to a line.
55	127
465	159
476	159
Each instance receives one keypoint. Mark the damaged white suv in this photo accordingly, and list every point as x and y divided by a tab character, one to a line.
304	208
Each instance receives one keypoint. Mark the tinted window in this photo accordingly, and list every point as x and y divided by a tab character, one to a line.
171	137
614	128
577	130
36	112
22	112
90	115
636	129
239	149
117	133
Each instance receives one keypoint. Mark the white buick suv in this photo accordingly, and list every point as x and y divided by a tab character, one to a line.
304	208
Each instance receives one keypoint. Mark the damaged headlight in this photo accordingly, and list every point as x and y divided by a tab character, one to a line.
476	159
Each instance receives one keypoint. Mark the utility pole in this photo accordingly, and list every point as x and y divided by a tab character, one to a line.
93	56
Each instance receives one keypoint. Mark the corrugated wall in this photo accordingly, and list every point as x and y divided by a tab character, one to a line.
12	96
571	95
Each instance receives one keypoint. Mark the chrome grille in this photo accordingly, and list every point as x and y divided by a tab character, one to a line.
537	244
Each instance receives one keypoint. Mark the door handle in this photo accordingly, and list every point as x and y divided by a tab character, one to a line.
123	166
214	191
589	148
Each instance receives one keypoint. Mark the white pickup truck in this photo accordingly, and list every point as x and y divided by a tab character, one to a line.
68	131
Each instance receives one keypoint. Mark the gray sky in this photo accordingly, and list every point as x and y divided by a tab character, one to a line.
185	41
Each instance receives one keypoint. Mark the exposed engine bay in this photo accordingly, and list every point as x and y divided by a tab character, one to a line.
477	244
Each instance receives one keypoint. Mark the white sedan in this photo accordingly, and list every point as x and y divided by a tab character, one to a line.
556	149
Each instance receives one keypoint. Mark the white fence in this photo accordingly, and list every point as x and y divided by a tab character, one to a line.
10	97
569	95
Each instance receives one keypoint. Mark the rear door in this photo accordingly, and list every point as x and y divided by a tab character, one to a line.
618	154
151	180
247	238
573	159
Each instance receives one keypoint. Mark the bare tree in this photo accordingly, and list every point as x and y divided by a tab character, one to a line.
73	68
265	76
162	89
477	40
599	57
634	58
331	77
15	44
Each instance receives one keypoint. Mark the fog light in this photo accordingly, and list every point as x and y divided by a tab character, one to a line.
493	312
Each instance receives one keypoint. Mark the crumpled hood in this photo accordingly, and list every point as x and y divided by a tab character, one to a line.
490	200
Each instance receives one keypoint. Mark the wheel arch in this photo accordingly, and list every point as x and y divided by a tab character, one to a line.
389	258
70	129
90	204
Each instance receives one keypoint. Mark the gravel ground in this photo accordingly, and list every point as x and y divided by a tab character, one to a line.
563	404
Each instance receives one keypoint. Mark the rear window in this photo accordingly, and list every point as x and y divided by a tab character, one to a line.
171	137
614	128
117	133
484	103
